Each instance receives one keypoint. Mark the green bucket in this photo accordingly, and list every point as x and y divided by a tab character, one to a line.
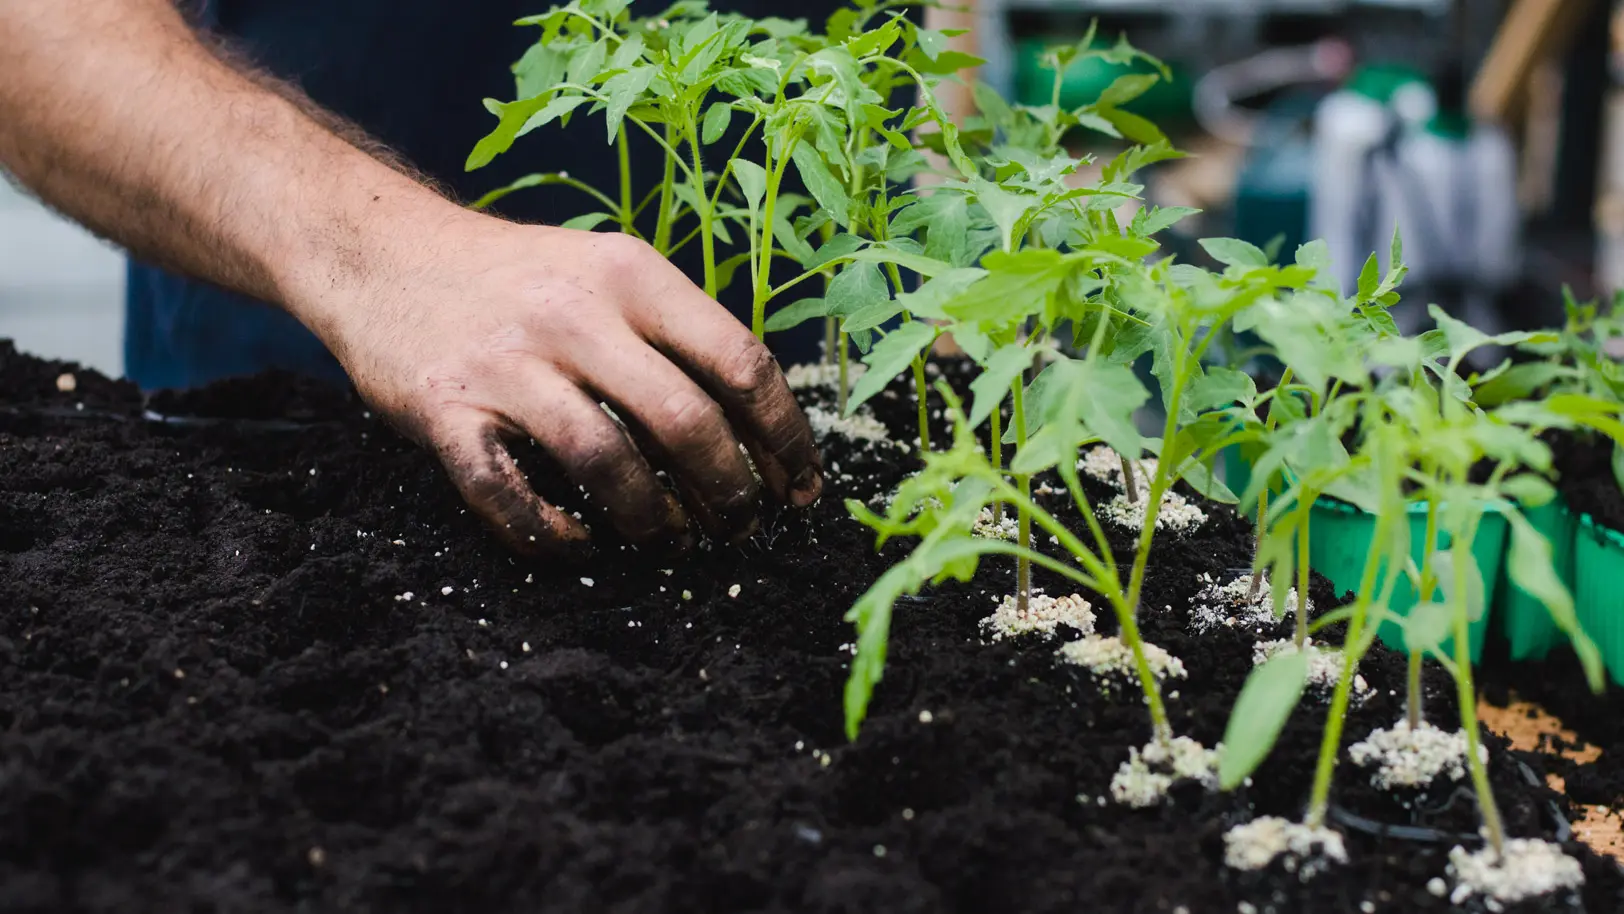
1341	538
1521	619
1598	589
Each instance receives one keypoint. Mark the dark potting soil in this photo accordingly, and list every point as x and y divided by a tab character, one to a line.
1584	464
244	668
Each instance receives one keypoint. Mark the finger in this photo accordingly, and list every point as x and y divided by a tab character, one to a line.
483	471
600	458
683	426
741	374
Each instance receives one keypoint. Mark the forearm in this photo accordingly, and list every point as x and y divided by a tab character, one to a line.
113	112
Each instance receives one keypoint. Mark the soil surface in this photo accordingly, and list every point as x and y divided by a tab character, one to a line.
1584	465
253	666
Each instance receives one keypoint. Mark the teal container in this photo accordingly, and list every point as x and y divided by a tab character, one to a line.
1519	618
1237	469
1167	102
1340	540
1598	590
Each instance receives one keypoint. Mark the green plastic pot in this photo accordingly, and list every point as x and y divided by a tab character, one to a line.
1085	79
1598	590
1519	618
1341	538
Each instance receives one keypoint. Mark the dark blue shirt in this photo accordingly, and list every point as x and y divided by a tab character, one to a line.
413	74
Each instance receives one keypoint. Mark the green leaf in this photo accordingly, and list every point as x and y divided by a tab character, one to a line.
1200	478
586	222
1015	286
997	378
1007	209
1427	626
1443	564
1529	490
1219	387
893	353
857	286
752	180
624	90
824	187
1529	562
795	314
554	110
1125	89
1151	220
1369	278
1235	252
1261	711
716	121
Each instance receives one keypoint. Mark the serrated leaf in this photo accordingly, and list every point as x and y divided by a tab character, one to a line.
752	180
1266	701
716	121
796	313
624	90
855	287
997	378
893	353
1235	252
1156	219
822	184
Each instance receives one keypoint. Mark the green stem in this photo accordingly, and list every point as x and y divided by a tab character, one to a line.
763	288
668	180
1412	702
921	389
845	385
1304	512
707	213
1331	742
624	156
1023	567
1412	697
1466	695
1257	543
997	430
831	326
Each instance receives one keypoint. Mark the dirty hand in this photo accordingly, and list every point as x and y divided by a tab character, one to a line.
483	330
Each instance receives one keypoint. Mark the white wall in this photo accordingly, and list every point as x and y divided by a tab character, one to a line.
61	289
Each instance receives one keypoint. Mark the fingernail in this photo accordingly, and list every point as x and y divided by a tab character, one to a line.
806	488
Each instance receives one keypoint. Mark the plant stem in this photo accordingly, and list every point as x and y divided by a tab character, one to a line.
845	386
1130	481
1136	581
1466	696
997	420
1257	543
1412	700
763	288
922	390
1304	512
624	155
707	239
1331	742
831	326
1023	566
668	179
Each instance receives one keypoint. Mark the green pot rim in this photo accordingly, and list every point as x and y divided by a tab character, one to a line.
1601	532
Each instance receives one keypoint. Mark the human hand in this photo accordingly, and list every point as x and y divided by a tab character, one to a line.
476	330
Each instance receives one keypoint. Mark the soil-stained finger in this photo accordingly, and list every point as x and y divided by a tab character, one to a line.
741	374
490	482
688	431
600	458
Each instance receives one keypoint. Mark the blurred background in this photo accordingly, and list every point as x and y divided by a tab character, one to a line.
1490	131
